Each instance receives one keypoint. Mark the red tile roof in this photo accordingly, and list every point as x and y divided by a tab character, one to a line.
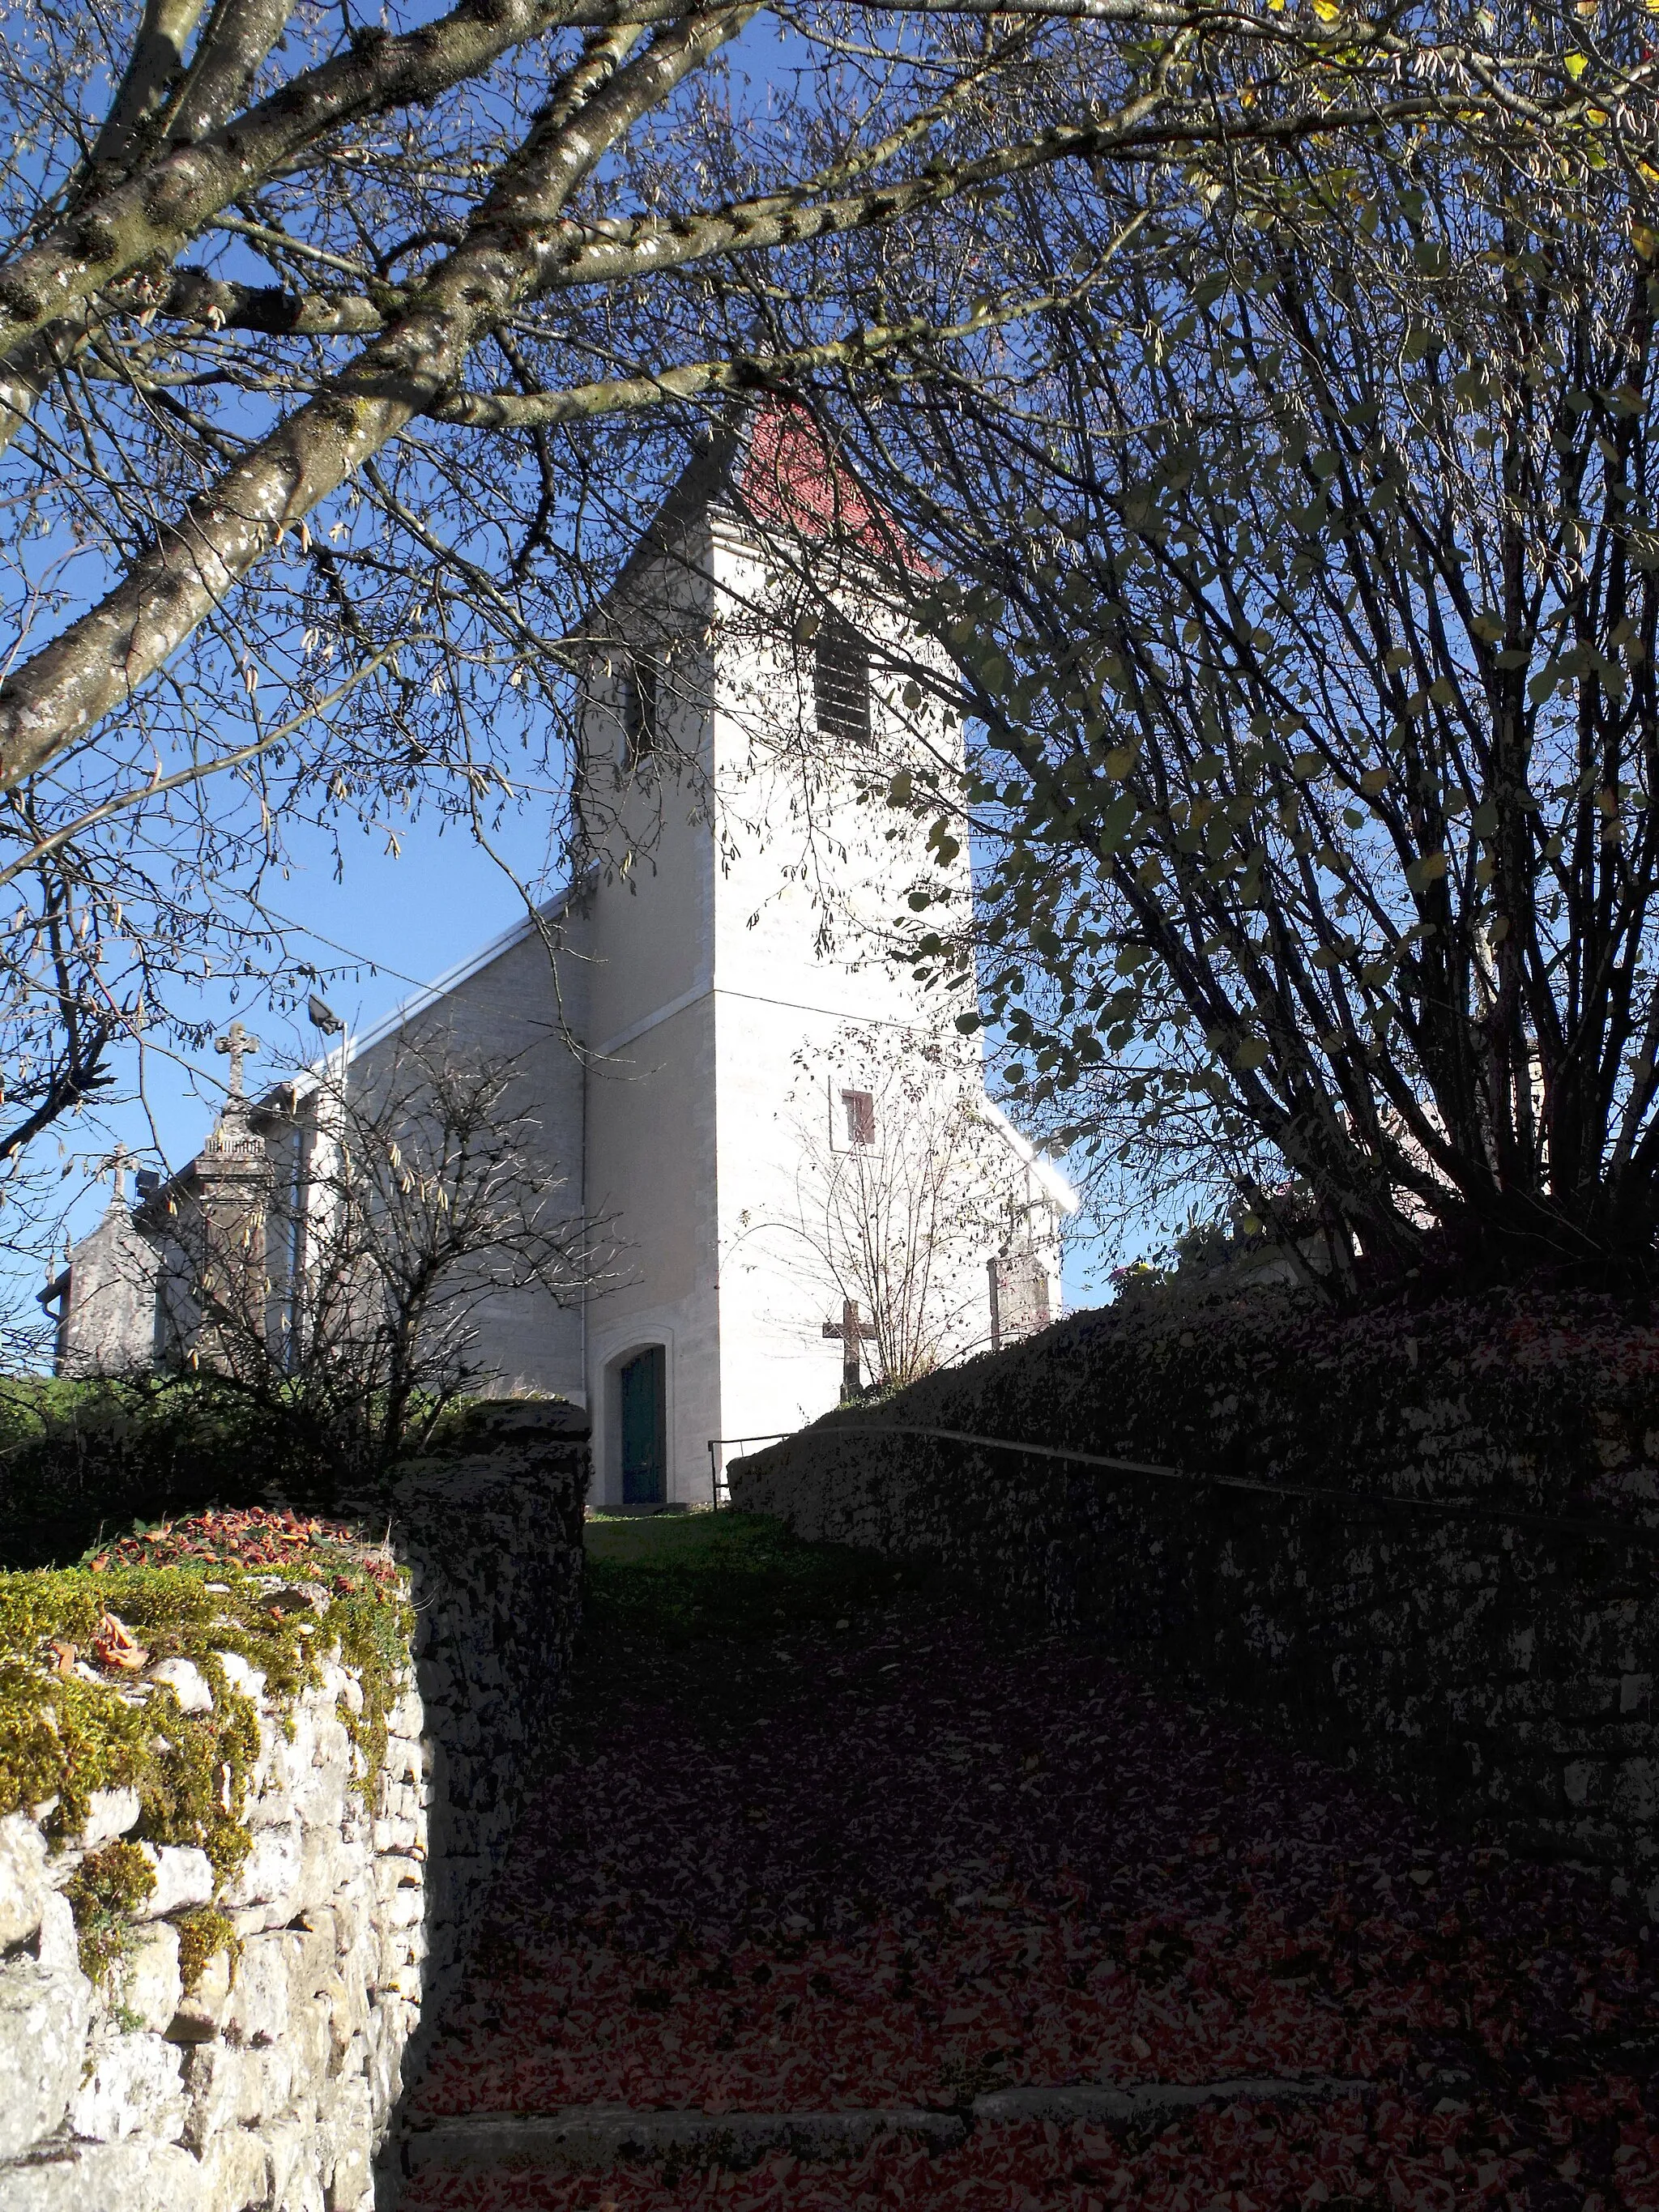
788	477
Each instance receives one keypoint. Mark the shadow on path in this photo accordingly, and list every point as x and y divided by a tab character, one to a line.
819	1843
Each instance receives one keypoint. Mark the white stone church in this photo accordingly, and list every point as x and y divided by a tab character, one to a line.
695	1021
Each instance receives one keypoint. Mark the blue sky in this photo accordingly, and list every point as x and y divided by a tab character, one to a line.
390	923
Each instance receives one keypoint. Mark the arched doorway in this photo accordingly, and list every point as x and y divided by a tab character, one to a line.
642	1391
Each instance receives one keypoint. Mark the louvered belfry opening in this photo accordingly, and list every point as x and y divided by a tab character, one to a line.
841	682
639	685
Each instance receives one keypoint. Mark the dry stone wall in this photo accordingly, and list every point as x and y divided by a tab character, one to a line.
1445	1572
271	2079
494	1545
271	2084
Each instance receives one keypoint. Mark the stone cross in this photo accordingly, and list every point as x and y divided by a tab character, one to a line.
850	1332
238	1043
118	1175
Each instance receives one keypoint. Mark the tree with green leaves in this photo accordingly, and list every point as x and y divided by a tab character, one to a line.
340	360
1305	586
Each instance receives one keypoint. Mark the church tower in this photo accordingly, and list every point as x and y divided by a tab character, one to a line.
752	1037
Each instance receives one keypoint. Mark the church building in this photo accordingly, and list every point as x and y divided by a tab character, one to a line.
721	1053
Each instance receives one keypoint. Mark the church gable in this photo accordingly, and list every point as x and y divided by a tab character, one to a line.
106	1323
783	480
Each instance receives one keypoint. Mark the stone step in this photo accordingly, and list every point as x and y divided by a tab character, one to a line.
593	2136
597	2135
1120	2110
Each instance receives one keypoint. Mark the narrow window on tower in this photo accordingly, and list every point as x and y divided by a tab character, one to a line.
640	687
859	1108
841	682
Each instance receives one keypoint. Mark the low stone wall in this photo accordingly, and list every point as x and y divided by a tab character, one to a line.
1495	1659
271	2079
493	1543
264	2077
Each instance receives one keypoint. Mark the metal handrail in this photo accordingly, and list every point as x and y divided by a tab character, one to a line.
717	1480
1454	1509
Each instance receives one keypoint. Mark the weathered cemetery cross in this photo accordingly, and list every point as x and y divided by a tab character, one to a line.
850	1332
238	1043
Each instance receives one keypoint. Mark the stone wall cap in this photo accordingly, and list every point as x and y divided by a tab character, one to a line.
482	1483
596	2136
530	1417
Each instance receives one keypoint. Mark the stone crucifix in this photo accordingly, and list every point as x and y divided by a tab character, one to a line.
238	1045
850	1333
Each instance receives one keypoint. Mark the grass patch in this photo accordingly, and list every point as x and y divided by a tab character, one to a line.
736	1577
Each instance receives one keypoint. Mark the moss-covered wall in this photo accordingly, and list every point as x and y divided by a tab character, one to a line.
1500	1666
248	1809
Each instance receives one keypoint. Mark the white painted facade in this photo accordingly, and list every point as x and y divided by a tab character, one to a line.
660	1011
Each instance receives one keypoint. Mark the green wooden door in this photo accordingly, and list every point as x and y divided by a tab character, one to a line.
644	1427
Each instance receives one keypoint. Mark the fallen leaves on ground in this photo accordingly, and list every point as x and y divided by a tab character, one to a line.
115	1646
256	1538
911	1864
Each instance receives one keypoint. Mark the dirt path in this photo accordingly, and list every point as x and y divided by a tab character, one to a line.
786	1866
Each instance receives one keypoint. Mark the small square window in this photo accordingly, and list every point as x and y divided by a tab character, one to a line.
841	682
640	686
859	1108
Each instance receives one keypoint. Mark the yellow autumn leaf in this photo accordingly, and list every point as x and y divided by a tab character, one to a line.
1577	64
1646	241
1326	11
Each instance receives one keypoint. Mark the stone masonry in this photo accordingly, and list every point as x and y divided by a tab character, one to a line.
1424	1575
494	1544
271	2087
272	2081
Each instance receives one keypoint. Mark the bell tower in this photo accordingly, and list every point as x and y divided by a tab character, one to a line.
739	924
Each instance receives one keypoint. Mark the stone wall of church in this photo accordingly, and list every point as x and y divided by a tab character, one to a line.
1425	1544
270	2083
110	1326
